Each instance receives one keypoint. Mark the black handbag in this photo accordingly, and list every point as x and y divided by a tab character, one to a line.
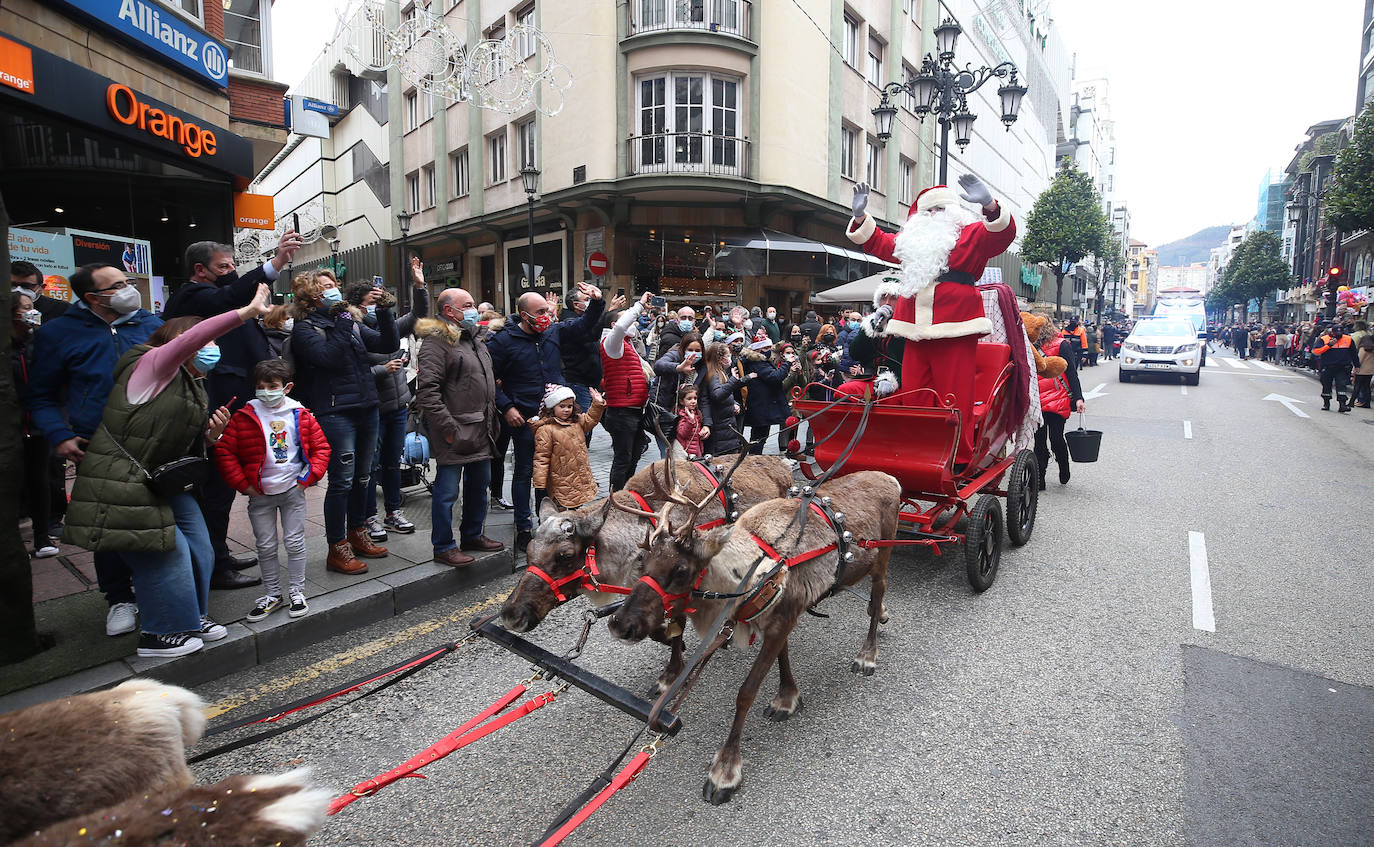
170	478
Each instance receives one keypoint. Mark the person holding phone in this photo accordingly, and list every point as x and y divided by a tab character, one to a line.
680	366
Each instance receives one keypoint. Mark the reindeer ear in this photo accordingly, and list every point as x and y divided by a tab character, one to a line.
591	519
705	545
547	509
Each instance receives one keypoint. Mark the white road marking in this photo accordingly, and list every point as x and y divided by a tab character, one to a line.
1202	583
1184	390
1236	363
1258	375
1289	403
1187	429
1265	366
1096	392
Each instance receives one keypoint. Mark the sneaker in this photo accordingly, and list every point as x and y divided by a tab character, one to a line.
44	551
210	631
266	606
502	503
298	606
122	618
397	522
152	646
374	528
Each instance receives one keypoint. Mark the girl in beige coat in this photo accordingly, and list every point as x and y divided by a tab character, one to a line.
562	470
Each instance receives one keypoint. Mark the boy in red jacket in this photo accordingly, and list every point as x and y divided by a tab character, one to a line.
272	450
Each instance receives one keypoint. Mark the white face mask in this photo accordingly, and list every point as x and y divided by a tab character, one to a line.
126	300
288	324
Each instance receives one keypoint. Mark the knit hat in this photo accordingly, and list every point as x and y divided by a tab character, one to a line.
765	344
735	338
555	394
936	195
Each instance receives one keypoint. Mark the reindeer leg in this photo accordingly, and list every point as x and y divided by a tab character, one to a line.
676	649
724	776
867	660
788	702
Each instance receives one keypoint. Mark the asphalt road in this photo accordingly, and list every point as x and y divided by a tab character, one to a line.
1081	700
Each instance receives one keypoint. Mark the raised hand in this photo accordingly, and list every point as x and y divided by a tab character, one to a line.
290	242
417	272
974	191
860	204
617	303
260	305
590	290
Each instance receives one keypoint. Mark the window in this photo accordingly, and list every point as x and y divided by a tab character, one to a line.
908	98
459	166
496	68
851	41
190	7
873	168
875	61
849	151
413	191
427	172
243	33
688	121
908	172
407	19
426	106
412	110
524	141
525	43
496	150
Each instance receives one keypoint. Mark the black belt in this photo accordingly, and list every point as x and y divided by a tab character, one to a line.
963	277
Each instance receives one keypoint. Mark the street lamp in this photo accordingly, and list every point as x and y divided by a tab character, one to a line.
334	256
529	175
403	218
941	88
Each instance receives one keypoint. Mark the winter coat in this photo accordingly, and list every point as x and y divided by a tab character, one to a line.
241	348
525	362
330	354
669	338
561	465
242	450
845	336
771	327
112	508
276	339
810	328
767	404
581	357
456	391
721	403
74	360
1366	366
663	392
393	389
689	432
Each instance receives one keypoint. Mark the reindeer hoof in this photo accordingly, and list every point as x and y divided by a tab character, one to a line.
778	715
883	618
863	666
716	796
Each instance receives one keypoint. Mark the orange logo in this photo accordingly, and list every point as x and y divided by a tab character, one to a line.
16	66
254	211
124	105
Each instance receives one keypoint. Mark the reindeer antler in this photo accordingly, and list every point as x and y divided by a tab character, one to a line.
658	520
695	507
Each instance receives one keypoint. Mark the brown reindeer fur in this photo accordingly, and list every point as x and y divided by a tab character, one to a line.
67	757
870	501
242	811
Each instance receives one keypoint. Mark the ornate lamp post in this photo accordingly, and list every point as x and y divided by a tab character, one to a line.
334	255
941	88
529	176
403	218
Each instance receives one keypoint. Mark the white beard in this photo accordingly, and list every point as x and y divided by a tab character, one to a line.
924	244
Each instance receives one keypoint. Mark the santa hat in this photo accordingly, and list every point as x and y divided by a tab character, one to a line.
936	195
735	338
762	344
555	394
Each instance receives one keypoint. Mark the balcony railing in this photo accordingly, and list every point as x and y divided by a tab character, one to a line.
689	153
730	16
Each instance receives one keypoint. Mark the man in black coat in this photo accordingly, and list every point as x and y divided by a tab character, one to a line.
1109	341
811	327
214	288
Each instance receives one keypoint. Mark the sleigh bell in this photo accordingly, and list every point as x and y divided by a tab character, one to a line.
847	536
839	517
793	491
849	556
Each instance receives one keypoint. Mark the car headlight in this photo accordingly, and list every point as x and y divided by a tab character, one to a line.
1185	348
1131	345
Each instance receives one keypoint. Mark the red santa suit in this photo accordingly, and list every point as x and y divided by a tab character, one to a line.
940	310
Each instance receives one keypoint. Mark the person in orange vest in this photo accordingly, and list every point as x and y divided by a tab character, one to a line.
1335	358
1074	329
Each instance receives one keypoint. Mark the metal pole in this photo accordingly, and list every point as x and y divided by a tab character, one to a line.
401	281
944	152
531	267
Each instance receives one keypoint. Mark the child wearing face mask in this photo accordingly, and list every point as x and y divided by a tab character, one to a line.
272	450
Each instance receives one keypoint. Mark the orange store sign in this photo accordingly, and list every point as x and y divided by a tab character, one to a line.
16	66
254	211
126	108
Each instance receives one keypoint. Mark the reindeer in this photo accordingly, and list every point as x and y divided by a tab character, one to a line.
798	564
559	548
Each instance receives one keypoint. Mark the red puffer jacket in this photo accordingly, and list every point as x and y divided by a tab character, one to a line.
1054	393
242	449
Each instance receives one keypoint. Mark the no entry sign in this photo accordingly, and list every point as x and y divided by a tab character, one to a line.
598	264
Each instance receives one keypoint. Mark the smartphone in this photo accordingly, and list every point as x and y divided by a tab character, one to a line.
295	222
620	292
658	302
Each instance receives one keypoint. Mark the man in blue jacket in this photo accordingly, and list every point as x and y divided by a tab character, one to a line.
74	358
525	357
214	288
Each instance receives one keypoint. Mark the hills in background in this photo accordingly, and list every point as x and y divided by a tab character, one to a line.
1195	248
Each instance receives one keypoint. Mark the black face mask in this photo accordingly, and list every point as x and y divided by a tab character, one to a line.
227	279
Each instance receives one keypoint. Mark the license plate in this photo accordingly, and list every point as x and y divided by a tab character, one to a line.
1159	367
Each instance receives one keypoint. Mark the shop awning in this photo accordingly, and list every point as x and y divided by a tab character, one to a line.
769	252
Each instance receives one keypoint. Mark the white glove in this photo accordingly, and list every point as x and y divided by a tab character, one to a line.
974	191
881	317
860	200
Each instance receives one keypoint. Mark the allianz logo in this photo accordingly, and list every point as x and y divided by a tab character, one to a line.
148	19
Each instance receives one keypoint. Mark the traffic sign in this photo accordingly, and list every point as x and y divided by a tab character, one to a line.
598	264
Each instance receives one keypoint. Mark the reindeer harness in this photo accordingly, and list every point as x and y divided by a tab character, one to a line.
769	589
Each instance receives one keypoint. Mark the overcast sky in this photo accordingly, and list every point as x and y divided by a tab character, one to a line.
1206	94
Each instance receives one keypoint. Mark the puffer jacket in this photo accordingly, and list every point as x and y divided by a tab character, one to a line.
330	354
561	465
767	404
456	392
74	360
241	450
526	362
720	407
393	389
668	382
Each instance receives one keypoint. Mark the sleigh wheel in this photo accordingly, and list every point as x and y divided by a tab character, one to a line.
1023	496
983	542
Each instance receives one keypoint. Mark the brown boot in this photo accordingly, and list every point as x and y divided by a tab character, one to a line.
453	558
341	560
364	546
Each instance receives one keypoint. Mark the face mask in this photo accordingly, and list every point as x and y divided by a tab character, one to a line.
772	315
330	296
126	300
685	325
18	290
271	396
206	358
470	316
540	322
288	324
32	317
227	279
853	324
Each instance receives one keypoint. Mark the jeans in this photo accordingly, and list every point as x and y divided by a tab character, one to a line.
474	478
386	465
352	437
174	586
625	425
522	480
262	514
1361	389
582	395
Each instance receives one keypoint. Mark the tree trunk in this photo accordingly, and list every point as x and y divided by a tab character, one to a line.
1058	292
18	637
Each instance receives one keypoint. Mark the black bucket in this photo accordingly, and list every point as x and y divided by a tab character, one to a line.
1084	444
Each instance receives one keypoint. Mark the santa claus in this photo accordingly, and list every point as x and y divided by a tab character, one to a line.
934	306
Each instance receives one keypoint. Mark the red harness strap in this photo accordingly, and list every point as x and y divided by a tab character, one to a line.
626	775
556	585
643	504
668	599
592	574
720	489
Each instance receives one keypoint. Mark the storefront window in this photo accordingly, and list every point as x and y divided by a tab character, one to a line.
243	34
